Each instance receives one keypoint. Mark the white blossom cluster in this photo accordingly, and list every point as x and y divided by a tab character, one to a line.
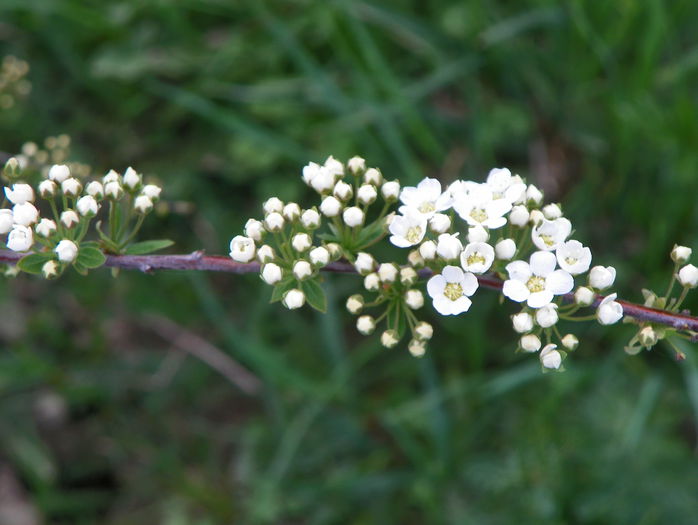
52	217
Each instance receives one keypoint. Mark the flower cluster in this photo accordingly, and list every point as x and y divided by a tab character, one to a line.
51	218
13	82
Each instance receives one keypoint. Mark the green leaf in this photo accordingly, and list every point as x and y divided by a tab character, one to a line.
89	256
281	288
33	262
315	295
370	234
141	248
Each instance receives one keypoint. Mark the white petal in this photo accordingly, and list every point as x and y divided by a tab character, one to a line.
436	286
515	290
469	284
452	274
543	263
400	241
559	282
460	305
429	189
519	270
540	299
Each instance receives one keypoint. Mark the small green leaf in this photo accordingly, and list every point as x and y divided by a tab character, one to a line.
315	295
141	248
89	256
281	288
370	234
79	267
33	262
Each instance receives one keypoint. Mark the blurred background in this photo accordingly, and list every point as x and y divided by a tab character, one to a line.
120	401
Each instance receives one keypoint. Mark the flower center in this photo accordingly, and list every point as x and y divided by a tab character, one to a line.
427	207
453	291
547	239
414	234
536	284
571	260
476	258
478	214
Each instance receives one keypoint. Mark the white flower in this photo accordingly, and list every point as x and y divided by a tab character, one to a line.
365	263
552	211
242	249
408	229
66	250
424	330
519	216
71	187
373	176
681	254
355	304
537	281
113	190
301	242
353	216
448	246
367	194
477	257
387	272
151	191
688	276
546	316
334	166
273	204
479	207
265	253
111	176
365	324
505	249
550	357
440	223
310	219
584	296
291	211
427	250
506	186
142	204
69	218
59	172
426	197
25	214
20	239
478	234
302	270
390	190
131	178
571	342
523	322
417	348
45	227
254	229
319	256
534	195
414	299
47	188
609	311
271	273
330	206
6	221
87	205
573	257
602	278
450	290
343	191
356	164
20	193
93	188
390	338
530	343
293	299
274	222
548	235
372	282
49	269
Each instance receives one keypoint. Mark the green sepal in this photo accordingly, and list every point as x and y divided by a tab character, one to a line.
89	256
34	262
315	295
281	288
370	234
144	247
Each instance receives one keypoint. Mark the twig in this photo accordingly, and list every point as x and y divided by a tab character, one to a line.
216	263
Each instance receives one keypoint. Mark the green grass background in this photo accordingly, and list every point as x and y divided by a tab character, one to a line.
102	421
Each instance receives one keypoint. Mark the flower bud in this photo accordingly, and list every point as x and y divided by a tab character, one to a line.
301	242
6	221
66	250
319	256
355	304
365	263
552	211
478	234
505	249
547	315
113	190
50	269
302	270
584	296
293	299
415	259
242	249
601	278
423	331
20	193
448	247
330	206
372	282
550	357
530	343
680	254
523	322
291	211
390	338
428	250
609	311
265	253
373	176
570	342
335	250
390	190
310	219
536	217
20	239
111	176
45	228
356	165
367	194
343	191
59	173
440	223
519	216
95	189
387	272
47	189
131	178
417	348
87	206
25	214
648	337
272	205
534	195
334	166
142	204
12	168
254	229
408	276
353	217
271	273
365	324
688	276
274	222
71	187
414	299
151	191
69	218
